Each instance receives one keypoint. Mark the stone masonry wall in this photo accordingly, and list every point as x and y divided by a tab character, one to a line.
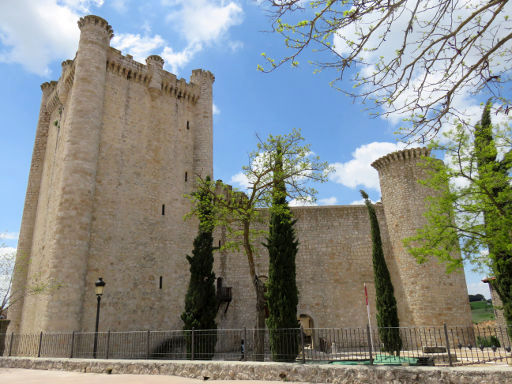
309	373
333	263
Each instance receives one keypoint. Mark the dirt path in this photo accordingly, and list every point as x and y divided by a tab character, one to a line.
32	376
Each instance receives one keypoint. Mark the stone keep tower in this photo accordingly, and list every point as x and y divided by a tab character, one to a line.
425	293
118	144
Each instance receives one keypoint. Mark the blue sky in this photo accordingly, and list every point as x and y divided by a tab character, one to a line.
224	36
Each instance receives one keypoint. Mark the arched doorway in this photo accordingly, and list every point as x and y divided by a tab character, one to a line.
308	325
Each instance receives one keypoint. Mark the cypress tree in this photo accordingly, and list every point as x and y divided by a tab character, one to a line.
200	300
282	292
494	178
387	315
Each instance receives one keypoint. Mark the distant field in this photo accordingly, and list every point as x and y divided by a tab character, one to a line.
481	311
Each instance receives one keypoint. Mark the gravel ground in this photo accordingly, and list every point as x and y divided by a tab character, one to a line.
32	376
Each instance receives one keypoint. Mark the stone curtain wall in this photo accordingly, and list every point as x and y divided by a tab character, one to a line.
309	373
333	263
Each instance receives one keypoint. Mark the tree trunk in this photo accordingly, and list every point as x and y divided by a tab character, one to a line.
259	288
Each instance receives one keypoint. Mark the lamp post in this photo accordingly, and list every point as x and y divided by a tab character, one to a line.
100	285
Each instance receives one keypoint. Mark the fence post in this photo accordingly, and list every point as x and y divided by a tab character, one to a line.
10	344
72	344
447	345
147	349
108	343
245	344
39	348
192	347
369	342
302	344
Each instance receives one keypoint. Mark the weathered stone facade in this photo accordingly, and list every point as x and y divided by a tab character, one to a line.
286	372
118	144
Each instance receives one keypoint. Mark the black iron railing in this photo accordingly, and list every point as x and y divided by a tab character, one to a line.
418	345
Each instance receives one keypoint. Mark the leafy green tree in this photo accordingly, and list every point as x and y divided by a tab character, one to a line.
500	193
282	293
387	314
472	208
240	212
200	300
409	58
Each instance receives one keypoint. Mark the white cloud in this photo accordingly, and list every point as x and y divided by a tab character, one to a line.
205	21
479	287
81	5
200	23
235	45
35	33
328	201
177	59
119	5
216	110
9	235
358	171
240	180
360	202
138	46
302	203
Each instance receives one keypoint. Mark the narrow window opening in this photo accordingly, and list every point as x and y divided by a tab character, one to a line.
163	209
160	282
188	124
219	243
186	176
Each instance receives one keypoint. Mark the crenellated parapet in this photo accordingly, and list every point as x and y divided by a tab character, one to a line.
97	23
48	86
405	155
155	60
152	75
199	75
126	67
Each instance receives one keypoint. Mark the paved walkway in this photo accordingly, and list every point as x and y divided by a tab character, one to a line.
33	376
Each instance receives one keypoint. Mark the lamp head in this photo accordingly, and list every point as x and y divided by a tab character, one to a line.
100	285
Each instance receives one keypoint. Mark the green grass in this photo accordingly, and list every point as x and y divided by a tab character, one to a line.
481	311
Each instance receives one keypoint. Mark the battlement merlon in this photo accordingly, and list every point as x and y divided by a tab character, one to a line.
48	87
97	25
200	75
155	61
406	154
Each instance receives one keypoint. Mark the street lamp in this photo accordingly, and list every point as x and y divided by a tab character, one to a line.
99	286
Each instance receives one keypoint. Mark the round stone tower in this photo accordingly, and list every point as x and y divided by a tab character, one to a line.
83	121
203	134
423	288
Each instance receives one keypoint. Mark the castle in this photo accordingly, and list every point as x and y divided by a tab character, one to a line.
118	144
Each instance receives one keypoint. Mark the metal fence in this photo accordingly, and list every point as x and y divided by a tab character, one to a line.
417	345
